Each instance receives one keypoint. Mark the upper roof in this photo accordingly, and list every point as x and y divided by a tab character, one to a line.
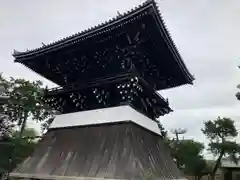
93	31
97	33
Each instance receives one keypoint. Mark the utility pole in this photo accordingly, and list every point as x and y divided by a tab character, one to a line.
178	132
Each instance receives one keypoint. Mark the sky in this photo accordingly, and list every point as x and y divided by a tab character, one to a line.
205	32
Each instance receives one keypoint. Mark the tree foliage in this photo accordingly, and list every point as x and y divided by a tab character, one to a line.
5	126
188	154
14	150
163	131
25	102
221	133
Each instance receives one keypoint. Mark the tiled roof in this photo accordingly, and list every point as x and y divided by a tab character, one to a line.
109	25
149	7
90	32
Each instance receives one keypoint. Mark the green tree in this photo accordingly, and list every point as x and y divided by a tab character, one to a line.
5	124
26	100
163	131
174	144
188	154
220	133
14	150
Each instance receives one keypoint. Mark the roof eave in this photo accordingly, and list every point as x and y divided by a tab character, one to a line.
171	44
96	30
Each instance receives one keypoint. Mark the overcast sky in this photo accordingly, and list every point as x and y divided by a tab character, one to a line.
206	33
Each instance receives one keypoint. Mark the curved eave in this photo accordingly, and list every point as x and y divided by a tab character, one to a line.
165	102
171	45
113	23
108	26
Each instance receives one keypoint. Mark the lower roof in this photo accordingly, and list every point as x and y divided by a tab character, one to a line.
115	151
126	89
47	177
105	116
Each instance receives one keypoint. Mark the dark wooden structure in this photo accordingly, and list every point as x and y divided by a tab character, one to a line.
122	62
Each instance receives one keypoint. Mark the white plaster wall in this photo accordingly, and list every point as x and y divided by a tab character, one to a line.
105	115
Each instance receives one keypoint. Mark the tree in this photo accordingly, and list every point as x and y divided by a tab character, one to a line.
174	144
5	124
238	93
163	131
188	154
26	100
220	133
190	157
14	150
